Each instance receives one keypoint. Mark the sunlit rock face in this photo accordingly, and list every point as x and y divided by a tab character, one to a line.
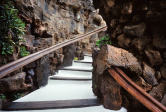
138	26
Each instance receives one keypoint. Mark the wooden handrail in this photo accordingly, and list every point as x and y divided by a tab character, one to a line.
10	67
142	96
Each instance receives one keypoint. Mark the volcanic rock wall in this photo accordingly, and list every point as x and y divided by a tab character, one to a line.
49	22
138	26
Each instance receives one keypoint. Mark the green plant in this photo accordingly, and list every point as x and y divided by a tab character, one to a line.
76	58
95	86
23	51
18	95
2	96
104	40
11	28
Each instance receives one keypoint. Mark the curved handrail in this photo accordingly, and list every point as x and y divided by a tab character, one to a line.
136	91
10	67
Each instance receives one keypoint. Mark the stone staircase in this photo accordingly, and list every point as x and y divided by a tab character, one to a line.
69	90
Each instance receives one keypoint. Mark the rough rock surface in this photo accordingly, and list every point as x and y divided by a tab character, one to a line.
159	91
149	75
110	90
144	23
106	88
163	101
112	56
49	22
0	104
141	82
163	71
14	83
124	41
140	43
103	84
159	40
69	52
43	71
154	56
135	30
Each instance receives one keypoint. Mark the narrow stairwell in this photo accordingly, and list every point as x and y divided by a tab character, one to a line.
69	90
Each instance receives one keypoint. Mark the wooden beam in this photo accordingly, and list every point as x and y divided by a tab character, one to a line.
50	104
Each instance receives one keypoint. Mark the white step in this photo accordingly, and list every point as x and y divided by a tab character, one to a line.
81	65
61	90
73	73
67	90
87	58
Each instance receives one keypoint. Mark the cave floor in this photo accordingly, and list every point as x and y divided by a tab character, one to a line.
59	89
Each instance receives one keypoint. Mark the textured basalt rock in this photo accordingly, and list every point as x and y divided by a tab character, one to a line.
113	99
43	70
140	43
69	52
154	56
149	75
159	40
0	104
144	23
141	82
163	71
14	83
112	56
163	101
159	91
124	41
135	30
49	22
104	86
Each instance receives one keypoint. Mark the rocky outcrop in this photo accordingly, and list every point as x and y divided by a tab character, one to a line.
52	22
163	101
14	83
149	75
138	27
163	71
140	43
109	91
0	104
112	56
69	52
135	30
124	41
43	70
154	57
49	22
103	84
141	82
111	100
159	91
